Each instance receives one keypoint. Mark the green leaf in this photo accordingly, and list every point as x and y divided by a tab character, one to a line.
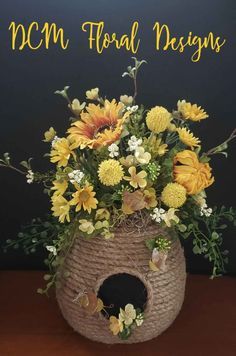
196	250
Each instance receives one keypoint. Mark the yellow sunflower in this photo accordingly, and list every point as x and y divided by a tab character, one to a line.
99	126
187	137
84	198
195	176
191	111
60	208
61	152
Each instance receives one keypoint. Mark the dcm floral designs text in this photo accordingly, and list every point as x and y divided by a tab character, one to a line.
37	36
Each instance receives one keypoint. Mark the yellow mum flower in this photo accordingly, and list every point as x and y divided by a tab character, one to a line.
84	198
191	111
150	198
173	195
99	126
59	187
187	137
195	176
49	135
60	208
110	172
158	119
128	315
136	179
61	152
116	325
92	94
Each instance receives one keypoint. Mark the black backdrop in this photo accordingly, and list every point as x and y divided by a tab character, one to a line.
29	78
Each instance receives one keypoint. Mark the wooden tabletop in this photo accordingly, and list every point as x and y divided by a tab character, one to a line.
31	324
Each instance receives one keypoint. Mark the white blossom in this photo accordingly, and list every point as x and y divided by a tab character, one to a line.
205	211
134	143
132	109
30	176
55	140
114	150
52	249
158	215
76	176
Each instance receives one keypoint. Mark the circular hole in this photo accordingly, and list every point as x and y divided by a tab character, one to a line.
121	289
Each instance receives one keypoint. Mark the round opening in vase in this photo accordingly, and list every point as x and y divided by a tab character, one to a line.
121	289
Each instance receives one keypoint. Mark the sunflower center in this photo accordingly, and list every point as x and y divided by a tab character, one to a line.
83	196
101	129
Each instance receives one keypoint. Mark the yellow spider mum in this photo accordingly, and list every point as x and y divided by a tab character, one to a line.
61	152
110	172
84	198
116	325
59	187
99	126
187	137
191	111
195	176
158	119
136	179
173	195
60	208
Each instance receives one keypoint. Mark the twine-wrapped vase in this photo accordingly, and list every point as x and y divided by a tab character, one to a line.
92	261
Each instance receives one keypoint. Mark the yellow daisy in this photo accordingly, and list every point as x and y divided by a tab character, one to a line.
60	208
99	126
59	187
84	198
187	137
191	111
110	172
61	152
136	179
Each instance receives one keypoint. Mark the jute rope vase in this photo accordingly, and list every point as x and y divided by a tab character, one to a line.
91	261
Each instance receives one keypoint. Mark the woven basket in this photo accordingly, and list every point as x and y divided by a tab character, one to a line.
91	261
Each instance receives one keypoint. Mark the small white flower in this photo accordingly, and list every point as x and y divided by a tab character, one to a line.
55	140
205	211
52	249
76	176
132	108
158	215
114	150
30	176
134	143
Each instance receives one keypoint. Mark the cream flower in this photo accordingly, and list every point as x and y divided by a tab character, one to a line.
170	216
142	156
128	161
126	100
92	94
128	315
77	107
49	135
86	226
136	179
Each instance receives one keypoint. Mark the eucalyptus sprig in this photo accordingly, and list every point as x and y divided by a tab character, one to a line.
132	72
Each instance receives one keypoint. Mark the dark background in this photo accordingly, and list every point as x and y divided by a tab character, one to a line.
29	78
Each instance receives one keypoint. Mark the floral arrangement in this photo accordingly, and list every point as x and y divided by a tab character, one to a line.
119	160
